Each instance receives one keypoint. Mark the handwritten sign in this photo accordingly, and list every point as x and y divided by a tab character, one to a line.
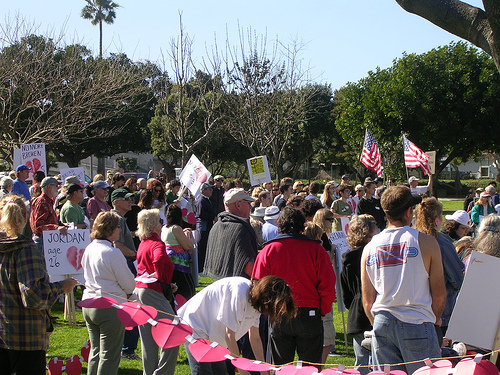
77	172
258	169
193	175
339	239
33	156
63	254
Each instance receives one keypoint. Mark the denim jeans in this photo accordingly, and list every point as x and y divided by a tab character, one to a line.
396	342
363	356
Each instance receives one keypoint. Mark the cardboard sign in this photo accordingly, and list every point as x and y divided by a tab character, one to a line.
476	316
193	175
339	239
432	160
33	156
258	169
63	254
77	172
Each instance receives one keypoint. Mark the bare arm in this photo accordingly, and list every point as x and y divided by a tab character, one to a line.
256	344
181	237
232	345
431	255
429	184
367	290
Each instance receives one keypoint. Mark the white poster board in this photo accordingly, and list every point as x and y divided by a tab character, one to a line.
193	175
476	316
16	158
33	156
258	169
78	172
339	239
432	160
63	254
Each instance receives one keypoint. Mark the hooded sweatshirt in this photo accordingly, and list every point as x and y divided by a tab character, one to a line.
26	295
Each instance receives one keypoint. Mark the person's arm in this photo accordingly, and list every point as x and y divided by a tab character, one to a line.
429	184
124	249
181	237
232	345
256	344
431	255
367	290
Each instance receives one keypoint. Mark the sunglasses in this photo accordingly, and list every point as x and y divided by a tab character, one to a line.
158	190
276	189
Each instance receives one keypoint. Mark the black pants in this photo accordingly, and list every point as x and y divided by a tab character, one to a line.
303	334
22	362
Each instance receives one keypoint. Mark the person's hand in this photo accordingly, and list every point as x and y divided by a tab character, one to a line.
63	230
152	274
187	231
68	285
174	287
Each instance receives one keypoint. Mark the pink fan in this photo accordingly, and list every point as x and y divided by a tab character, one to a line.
393	372
296	370
475	366
169	335
332	371
205	351
85	351
97	303
440	367
73	366
55	366
249	365
133	314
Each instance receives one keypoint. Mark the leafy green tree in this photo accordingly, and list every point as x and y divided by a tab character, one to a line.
443	100
99	11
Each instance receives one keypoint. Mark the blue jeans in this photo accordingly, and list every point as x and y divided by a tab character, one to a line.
362	355
208	368
396	342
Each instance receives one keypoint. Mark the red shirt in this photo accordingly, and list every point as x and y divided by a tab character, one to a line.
304	265
42	215
152	257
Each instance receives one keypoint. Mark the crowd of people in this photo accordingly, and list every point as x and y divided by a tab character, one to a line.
270	253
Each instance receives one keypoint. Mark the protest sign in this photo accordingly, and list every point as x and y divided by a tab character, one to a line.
476	305
63	254
33	156
339	247
258	169
193	175
77	172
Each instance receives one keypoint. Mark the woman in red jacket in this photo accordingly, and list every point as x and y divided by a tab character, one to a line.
152	259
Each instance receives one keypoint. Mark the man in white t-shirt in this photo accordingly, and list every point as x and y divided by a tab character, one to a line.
415	189
403	287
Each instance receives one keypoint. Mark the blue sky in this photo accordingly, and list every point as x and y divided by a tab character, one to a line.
344	39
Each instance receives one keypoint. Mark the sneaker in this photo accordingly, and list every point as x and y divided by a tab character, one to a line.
367	343
460	348
334	353
131	356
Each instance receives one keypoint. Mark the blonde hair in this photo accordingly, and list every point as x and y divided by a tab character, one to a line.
312	230
427	213
13	215
319	219
361	228
147	221
98	177
104	225
464	246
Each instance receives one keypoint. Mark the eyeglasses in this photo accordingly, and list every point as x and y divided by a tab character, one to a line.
158	190
276	189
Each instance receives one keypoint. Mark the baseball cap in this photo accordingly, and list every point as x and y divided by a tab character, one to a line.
47	181
71	180
237	194
121	194
101	184
346	177
22	167
412	178
219	177
74	187
459	216
205	185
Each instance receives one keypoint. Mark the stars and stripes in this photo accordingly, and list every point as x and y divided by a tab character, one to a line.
415	157
370	156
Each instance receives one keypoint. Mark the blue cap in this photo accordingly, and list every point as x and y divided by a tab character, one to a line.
22	167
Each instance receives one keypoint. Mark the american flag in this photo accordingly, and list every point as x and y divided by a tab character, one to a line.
415	157
370	156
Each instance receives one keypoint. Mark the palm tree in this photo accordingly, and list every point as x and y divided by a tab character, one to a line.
98	11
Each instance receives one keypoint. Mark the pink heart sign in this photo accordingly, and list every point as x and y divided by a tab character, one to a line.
294	370
73	366
440	367
85	351
393	372
133	314
332	371
97	303
168	335
205	351
191	218
468	366
75	257
55	366
249	365
201	175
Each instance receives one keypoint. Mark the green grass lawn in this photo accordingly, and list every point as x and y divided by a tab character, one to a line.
66	341
450	206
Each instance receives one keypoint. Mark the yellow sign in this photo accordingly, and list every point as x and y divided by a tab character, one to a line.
257	166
